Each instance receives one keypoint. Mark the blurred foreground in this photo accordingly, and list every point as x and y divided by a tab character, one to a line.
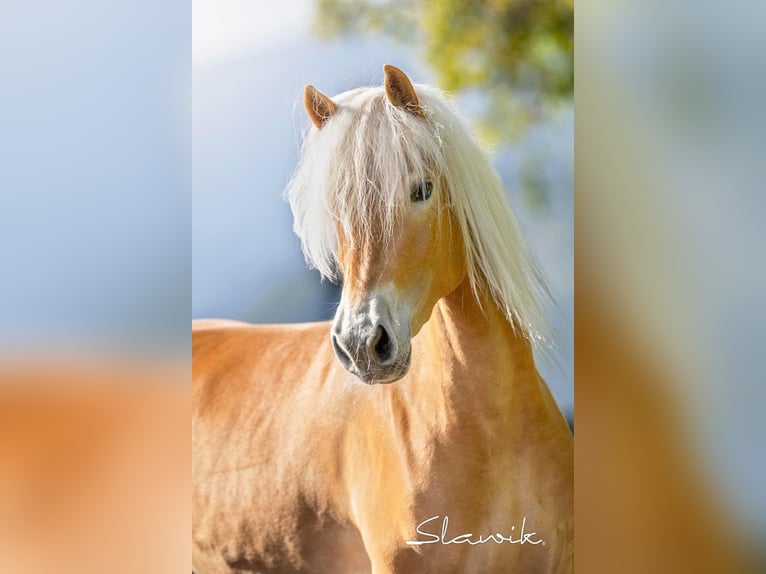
95	472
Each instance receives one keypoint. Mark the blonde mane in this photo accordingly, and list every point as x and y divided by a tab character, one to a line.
355	174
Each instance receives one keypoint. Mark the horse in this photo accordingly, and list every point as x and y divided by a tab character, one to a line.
413	432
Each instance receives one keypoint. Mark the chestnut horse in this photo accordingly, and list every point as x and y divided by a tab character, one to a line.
413	433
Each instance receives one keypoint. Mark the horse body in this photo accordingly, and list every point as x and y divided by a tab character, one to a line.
453	457
259	461
307	470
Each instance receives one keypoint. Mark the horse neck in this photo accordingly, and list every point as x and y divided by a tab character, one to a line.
483	363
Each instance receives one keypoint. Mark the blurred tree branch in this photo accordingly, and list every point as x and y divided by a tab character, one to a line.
518	54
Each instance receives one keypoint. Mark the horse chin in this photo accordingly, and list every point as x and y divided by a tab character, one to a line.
380	378
388	375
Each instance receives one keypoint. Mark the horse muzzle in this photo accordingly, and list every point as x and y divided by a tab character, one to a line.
368	344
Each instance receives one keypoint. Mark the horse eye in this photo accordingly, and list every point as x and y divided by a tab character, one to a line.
421	191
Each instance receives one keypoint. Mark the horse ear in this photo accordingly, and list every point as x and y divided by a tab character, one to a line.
319	107
400	91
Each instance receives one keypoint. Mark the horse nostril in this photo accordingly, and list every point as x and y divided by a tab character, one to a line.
341	353
382	345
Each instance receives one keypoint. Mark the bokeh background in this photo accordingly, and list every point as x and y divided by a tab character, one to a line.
94	177
509	64
670	283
